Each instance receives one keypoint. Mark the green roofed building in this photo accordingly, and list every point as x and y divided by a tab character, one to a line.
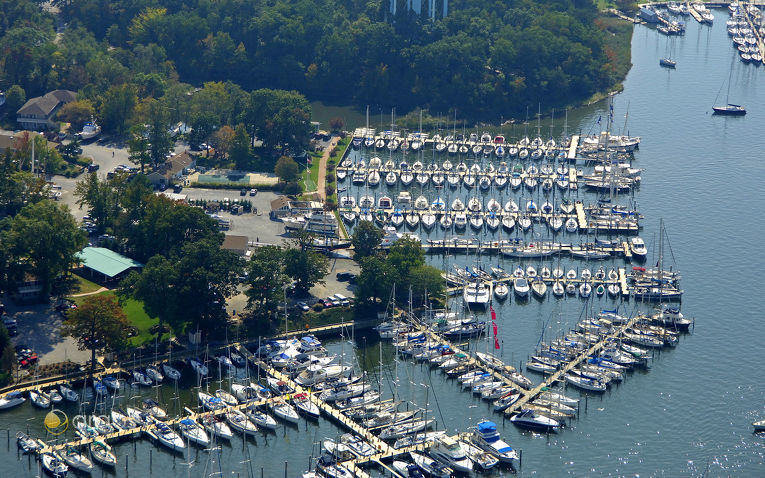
106	262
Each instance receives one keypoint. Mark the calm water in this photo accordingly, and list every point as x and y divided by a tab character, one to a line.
691	414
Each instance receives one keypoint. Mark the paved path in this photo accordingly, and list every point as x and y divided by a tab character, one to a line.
102	289
321	186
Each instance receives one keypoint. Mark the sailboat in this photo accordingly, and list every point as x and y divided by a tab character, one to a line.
729	108
667	61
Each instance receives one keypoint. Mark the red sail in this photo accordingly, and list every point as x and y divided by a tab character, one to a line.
493	314
496	343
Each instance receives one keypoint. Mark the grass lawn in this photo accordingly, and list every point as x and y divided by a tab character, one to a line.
137	317
83	285
311	175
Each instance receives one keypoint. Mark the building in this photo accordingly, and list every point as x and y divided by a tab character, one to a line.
28	290
283	206
172	170
238	244
38	113
106	264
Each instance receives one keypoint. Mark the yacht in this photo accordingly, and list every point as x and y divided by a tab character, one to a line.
450	452
89	131
529	419
79	461
486	437
637	247
521	287
476	294
103	454
11	400
167	437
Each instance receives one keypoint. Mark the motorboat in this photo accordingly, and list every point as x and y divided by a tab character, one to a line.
11	399
27	444
486	437
317	373
357	445
637	247
89	131
476	294
528	418
450	453
521	287
193	432
501	291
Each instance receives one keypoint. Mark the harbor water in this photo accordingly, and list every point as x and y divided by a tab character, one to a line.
691	413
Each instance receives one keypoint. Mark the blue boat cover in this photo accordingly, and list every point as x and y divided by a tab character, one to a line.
487	426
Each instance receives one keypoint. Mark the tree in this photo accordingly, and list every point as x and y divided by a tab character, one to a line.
76	113
190	288
286	169
376	279
365	239
306	267
102	200
15	98
266	278
99	323
43	239
138	146
160	142
425	279
164	227
241	150
71	151
222	139
405	254
117	108
202	126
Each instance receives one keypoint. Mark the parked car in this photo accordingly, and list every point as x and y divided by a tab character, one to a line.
303	306
326	303
253	192
243	192
345	276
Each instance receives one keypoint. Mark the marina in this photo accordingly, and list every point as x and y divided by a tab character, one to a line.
611	428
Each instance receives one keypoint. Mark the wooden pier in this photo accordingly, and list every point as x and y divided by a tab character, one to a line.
530	395
756	31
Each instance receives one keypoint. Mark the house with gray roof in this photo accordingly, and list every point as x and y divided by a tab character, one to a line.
38	113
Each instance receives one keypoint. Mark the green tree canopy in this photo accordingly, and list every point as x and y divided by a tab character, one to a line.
190	288
77	113
240	152
365	239
15	98
286	169
306	267
117	108
266	278
138	146
98	324
43	239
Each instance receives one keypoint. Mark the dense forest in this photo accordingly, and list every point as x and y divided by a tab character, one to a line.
484	59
